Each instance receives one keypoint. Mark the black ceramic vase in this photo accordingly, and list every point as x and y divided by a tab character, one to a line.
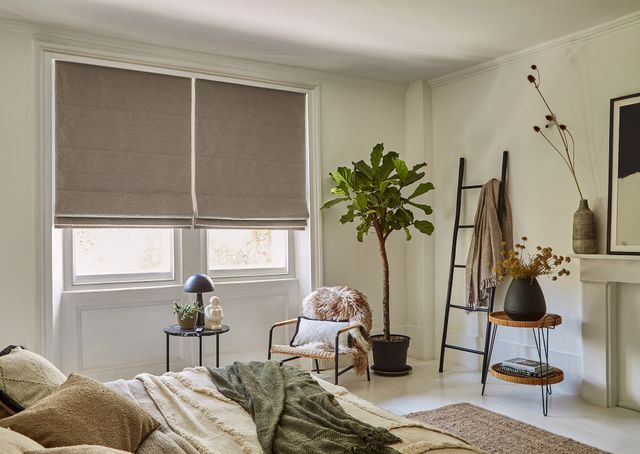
525	300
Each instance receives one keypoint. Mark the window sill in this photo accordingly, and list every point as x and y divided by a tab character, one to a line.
220	284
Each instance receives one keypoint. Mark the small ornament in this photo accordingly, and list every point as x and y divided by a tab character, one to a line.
213	314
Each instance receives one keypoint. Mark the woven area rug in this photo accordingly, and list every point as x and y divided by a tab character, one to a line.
499	434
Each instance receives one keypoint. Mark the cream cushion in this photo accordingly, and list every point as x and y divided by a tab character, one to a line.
15	443
311	331
27	377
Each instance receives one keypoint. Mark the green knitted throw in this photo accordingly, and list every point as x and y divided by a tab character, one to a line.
294	414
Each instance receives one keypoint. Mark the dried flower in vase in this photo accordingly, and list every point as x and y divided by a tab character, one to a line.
543	262
567	146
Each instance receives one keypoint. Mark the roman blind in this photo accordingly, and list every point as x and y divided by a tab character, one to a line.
123	148
250	157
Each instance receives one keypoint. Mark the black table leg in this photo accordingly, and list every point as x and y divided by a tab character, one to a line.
200	353
217	350
167	350
487	359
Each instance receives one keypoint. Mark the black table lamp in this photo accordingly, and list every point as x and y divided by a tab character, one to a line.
199	283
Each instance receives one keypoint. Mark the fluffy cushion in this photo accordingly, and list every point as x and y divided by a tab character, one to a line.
80	449
84	411
26	377
15	443
309	330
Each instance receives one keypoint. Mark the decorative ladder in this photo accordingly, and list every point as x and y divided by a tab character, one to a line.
453	266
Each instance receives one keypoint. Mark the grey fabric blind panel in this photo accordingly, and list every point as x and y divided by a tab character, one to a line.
250	150
123	148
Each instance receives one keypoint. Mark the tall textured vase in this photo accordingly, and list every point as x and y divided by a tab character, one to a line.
585	238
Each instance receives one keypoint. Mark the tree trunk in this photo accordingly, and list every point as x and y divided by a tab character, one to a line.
385	288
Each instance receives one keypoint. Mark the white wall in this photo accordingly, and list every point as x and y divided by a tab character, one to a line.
420	250
354	119
17	187
480	115
355	115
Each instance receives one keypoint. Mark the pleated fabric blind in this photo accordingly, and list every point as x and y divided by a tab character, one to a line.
123	148
250	169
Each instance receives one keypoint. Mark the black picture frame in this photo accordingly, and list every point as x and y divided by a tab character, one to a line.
619	159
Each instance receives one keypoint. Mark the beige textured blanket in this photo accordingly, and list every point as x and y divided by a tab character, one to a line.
193	409
485	249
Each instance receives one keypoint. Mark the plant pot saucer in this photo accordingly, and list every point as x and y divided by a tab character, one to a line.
392	373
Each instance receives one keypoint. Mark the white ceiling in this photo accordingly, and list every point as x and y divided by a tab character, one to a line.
393	40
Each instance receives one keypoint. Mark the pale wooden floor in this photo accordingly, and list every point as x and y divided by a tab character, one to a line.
616	430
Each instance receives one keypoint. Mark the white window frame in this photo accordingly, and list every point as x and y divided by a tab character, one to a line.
263	272
119	280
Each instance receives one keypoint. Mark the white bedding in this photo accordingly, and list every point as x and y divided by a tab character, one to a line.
191	407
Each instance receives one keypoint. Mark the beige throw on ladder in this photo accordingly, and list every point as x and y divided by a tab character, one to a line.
485	249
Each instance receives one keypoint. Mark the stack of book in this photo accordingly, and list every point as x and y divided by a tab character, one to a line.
526	367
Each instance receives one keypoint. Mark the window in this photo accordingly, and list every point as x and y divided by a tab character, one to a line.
121	255
247	252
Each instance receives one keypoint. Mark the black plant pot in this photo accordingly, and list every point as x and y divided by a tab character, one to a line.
524	300
390	358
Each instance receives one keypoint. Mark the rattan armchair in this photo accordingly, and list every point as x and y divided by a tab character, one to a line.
343	301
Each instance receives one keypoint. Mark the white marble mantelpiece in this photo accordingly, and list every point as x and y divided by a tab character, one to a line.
599	276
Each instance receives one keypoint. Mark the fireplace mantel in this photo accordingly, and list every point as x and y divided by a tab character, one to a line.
599	276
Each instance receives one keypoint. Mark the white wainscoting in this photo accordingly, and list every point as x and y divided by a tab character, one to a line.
111	334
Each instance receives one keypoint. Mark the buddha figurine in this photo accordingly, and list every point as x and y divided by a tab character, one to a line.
213	314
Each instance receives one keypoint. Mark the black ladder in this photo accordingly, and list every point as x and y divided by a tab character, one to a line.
454	266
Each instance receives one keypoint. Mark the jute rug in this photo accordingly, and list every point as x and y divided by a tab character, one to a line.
499	434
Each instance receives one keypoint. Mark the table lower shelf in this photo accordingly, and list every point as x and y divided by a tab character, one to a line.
555	377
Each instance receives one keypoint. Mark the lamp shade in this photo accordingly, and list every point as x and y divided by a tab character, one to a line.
198	283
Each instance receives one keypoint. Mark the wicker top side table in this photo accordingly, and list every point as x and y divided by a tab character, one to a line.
540	329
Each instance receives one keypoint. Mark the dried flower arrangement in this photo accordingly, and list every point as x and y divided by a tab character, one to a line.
568	146
542	263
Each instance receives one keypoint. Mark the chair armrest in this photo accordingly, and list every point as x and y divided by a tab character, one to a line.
350	327
285	322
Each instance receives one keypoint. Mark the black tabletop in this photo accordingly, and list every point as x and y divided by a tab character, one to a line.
174	330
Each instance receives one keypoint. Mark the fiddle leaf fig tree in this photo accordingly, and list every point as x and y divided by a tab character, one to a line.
377	195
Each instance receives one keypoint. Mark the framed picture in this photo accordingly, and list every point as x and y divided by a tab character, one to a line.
624	176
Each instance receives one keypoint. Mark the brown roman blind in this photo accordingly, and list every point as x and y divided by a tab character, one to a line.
250	145
123	148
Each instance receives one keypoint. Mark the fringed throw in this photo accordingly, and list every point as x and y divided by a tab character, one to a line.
485	249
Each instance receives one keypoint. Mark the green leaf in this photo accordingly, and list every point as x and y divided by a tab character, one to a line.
408	233
426	208
421	189
425	227
364	168
333	202
361	201
405	217
401	169
387	165
340	189
419	166
349	217
376	155
341	174
412	178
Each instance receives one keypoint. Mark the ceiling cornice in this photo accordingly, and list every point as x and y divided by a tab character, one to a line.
558	43
49	34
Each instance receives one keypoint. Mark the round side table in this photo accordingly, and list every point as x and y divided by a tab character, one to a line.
174	330
540	330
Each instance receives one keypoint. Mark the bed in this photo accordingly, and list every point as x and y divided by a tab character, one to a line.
198	410
195	418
